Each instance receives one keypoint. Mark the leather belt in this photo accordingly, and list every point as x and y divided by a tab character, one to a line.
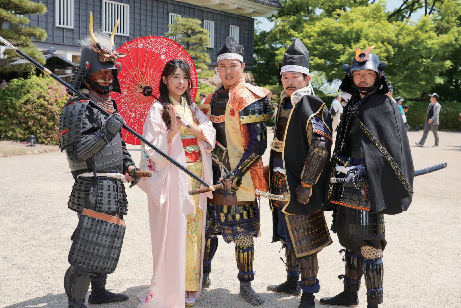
225	199
113	219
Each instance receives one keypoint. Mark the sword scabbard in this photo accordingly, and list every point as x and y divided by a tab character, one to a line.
206	189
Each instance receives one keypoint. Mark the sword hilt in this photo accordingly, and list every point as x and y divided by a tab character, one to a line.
143	174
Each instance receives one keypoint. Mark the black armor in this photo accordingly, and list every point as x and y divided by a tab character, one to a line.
98	159
372	174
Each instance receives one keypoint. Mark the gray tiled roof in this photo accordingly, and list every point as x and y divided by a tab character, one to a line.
274	3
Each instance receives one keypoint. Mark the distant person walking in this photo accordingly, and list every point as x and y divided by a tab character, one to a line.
404	116
336	111
432	121
3	84
399	101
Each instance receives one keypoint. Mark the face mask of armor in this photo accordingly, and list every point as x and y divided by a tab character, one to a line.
97	87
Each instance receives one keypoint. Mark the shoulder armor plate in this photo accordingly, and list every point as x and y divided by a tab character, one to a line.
70	122
319	127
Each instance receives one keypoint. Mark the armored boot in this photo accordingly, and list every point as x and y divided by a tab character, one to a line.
374	280
211	245
309	267
244	254
99	294
291	286
307	300
352	277
76	286
247	292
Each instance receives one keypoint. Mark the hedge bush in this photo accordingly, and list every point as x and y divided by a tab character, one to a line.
31	107
448	118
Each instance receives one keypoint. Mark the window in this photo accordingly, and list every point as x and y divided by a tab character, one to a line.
111	11
65	13
171	18
234	32
209	25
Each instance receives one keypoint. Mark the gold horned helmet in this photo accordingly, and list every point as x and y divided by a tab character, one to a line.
104	54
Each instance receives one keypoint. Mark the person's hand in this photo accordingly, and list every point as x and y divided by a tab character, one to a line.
303	193
183	122
430	121
226	182
127	175
175	123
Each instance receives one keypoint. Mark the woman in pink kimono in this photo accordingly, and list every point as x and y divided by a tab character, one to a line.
177	220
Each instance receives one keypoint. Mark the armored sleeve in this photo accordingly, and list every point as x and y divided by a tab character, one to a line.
92	135
254	117
127	160
318	153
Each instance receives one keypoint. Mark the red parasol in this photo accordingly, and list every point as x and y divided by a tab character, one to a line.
140	76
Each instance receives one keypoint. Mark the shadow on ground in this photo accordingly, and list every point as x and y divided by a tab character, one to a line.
60	300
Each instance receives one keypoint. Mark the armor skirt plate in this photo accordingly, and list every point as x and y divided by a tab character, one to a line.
96	245
107	196
308	234
232	221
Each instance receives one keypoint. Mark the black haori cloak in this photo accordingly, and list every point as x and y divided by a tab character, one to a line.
296	147
390	176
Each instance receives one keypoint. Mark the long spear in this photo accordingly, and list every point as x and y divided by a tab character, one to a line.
93	104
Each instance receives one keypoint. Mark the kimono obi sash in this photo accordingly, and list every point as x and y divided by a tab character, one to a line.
191	148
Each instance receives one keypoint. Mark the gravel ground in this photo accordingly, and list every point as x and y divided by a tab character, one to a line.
421	260
12	148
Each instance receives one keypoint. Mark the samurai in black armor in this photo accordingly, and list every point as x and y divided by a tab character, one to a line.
98	160
299	160
238	111
371	175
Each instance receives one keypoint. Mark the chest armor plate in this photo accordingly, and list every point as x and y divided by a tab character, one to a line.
218	110
110	159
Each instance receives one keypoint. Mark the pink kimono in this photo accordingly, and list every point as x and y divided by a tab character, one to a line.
169	204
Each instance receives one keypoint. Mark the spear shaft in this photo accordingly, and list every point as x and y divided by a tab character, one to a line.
93	104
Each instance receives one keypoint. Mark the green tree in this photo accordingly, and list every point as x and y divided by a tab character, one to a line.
448	27
13	28
411	50
421	56
265	70
189	33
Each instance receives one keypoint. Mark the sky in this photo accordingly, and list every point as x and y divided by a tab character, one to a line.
391	4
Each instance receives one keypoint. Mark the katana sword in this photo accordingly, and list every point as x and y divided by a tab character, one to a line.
417	172
93	104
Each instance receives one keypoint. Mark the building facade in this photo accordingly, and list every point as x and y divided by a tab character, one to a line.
67	21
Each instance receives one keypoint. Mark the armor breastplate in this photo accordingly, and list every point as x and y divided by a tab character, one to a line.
110	159
218	109
353	143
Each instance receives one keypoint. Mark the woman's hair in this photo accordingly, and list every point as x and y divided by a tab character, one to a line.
168	71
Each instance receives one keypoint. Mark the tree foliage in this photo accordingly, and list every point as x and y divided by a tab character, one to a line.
189	33
14	29
421	56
